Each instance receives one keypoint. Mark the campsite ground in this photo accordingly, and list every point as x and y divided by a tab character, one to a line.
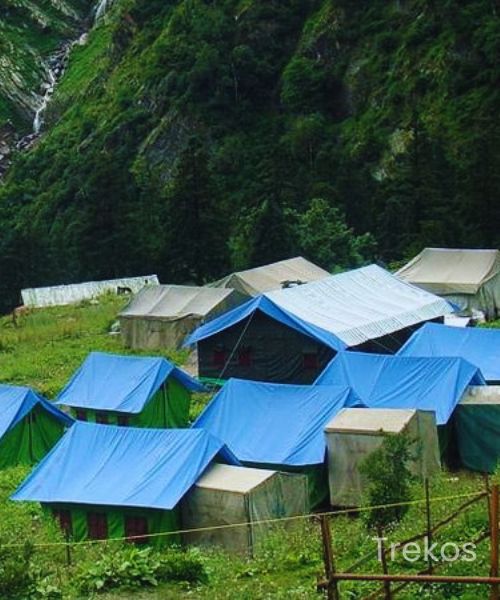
43	350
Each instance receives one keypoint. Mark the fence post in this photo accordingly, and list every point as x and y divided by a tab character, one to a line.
68	548
494	595
429	523
332	590
385	569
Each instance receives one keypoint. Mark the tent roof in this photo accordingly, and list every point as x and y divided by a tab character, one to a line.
484	394
386	381
59	295
173	302
272	277
274	424
480	346
370	421
16	402
120	383
228	478
451	271
122	466
342	310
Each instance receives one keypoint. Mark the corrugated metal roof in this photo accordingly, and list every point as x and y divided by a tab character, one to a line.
60	295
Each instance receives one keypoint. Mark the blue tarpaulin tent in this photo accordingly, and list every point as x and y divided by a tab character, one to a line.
94	468
29	425
150	390
277	426
480	346
289	335
385	381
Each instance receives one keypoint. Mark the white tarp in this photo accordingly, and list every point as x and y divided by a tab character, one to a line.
356	432
360	305
469	278
228	495
252	282
60	295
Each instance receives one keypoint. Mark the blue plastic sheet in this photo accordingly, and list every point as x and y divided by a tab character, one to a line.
384	381
478	345
122	466
274	423
120	383
16	402
341	311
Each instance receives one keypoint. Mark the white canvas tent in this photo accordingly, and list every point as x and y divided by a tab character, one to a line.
228	495
468	278
285	273
162	316
354	433
60	295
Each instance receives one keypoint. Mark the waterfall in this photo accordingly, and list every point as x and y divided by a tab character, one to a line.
101	8
49	90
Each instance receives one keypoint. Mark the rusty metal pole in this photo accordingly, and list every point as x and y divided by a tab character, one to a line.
494	594
332	591
429	523
385	569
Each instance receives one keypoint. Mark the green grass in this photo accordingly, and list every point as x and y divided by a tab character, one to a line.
46	346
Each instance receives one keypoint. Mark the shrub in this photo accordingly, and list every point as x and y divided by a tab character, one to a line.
389	481
132	567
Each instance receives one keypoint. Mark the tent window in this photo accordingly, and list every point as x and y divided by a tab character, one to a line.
97	525
102	418
219	358
136	527
123	420
81	415
245	357
310	360
64	519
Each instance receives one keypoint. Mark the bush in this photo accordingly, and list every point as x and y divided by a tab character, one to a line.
389	481
132	567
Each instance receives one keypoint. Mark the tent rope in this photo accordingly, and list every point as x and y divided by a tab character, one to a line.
344	511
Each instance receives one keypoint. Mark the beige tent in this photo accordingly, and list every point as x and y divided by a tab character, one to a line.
162	316
468	278
228	495
285	273
354	433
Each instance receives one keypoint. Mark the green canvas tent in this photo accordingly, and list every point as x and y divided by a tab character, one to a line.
477	428
121	482
129	390
29	426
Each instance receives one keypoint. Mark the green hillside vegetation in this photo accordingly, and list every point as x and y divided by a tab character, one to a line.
189	137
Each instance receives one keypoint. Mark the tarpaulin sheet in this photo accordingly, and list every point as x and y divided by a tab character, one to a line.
120	383
341	311
452	271
384	381
480	346
122	466
274	276
60	295
274	424
16	402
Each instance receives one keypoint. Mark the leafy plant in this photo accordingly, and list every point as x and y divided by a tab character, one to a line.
389	481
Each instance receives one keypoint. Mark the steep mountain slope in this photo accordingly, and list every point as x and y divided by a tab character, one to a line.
188	137
29	32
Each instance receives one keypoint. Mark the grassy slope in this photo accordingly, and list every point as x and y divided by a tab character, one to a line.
44	350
